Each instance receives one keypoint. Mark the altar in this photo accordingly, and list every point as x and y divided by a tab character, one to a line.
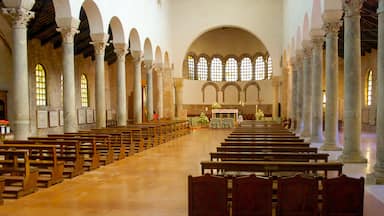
224	118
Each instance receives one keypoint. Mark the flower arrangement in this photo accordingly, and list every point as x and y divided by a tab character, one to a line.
4	122
203	119
216	105
259	114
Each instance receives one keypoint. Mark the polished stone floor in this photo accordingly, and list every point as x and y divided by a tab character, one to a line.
154	182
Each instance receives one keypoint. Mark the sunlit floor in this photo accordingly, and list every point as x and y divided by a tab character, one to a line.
154	182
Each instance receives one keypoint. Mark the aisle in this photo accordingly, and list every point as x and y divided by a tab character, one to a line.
151	183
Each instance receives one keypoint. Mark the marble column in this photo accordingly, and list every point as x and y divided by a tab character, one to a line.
149	68
159	105
293	96
68	28
331	27
352	83
19	19
121	51
317	81
99	43
275	105
178	97
299	92
137	94
378	175
307	91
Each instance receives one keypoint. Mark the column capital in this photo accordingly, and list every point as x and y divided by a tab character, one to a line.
317	41
299	56
332	27
20	16
99	42
307	48
121	49
148	64
68	33
352	7
136	55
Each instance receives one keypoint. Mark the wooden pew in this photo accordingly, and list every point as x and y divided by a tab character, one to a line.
20	177
2	185
287	144
66	150
289	136
120	140
265	139
268	156
43	157
270	168
265	149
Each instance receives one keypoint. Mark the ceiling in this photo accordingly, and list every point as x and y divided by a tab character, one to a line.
43	27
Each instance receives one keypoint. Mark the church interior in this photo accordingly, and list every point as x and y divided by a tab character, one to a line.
106	107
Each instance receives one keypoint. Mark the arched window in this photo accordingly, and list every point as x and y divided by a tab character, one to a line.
191	67
259	68
41	86
216	69
369	88
269	68
84	91
246	69
202	69
231	70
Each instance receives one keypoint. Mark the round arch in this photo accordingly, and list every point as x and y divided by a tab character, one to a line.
148	53
134	40
214	85
96	25
117	31
236	85
247	85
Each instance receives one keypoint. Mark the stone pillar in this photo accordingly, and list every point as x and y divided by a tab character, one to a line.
68	28
299	92
178	97
331	26
352	83
317	81
159	105
149	67
137	94
19	19
378	175
121	51
100	42
307	91
293	96
275	105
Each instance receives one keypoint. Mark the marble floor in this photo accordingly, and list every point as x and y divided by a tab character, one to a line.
154	182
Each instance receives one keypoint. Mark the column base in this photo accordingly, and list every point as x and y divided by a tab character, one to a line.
354	157
317	139
330	147
306	139
21	129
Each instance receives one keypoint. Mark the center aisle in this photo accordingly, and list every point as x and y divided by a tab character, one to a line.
153	182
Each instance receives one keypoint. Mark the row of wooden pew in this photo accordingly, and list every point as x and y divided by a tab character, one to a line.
270	151
26	165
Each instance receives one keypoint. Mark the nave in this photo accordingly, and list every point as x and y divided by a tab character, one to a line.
154	182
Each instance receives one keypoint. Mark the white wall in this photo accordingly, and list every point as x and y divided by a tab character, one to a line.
190	19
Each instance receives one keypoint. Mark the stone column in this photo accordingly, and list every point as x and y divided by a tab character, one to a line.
307	91
137	94
19	19
159	105
100	42
178	97
149	67
317	81
121	51
378	175
331	26
68	28
299	92
275	105
293	96
352	83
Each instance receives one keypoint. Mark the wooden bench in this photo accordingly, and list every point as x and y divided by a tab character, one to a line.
20	178
265	149
268	156
289	136
67	151
270	168
43	157
265	139
2	185
288	144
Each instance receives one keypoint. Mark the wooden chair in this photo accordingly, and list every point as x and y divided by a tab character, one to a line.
207	195
251	196
343	196
297	196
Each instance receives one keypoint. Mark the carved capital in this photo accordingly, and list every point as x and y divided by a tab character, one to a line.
68	33
121	50
317	42
20	16
352	7
307	48
332	27
136	56
99	47
148	64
